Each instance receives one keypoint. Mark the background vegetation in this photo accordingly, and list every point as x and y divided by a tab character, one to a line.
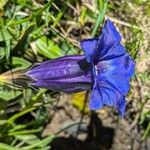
32	31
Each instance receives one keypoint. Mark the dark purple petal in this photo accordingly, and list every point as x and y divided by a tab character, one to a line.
65	86
54	69
63	74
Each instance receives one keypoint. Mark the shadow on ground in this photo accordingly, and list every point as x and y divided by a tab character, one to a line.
98	138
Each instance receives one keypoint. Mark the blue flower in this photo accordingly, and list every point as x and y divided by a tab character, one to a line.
66	74
105	69
112	68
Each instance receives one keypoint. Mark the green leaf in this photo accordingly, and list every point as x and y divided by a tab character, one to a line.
2	54
7	49
8	94
29	139
2	3
7	147
23	112
100	17
25	132
20	62
41	143
2	122
147	131
47	48
5	35
20	46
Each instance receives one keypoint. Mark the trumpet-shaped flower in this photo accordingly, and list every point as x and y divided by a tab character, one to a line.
63	74
105	69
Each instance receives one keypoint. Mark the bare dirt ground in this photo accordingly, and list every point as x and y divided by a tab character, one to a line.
97	131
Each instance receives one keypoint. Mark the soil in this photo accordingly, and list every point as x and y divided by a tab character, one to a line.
101	130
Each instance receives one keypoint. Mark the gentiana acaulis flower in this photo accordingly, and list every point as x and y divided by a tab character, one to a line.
64	74
105	69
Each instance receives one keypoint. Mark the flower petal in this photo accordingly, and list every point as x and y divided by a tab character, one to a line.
107	46
105	94
95	100
107	43
66	86
121	106
66	67
117	72
89	46
65	74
